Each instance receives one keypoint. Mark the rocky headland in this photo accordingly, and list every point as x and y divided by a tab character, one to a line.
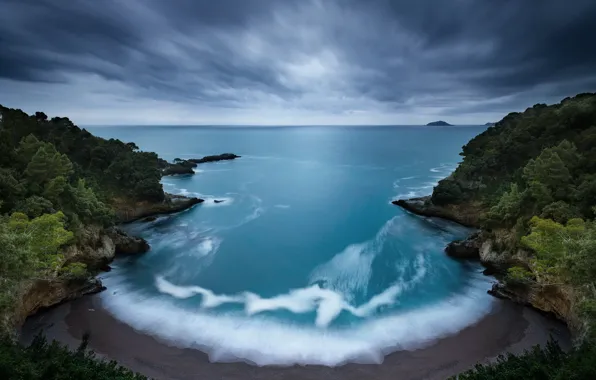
488	247
185	167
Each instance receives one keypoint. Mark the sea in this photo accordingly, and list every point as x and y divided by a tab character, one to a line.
305	260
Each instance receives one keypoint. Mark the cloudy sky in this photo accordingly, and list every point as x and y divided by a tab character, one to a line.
274	62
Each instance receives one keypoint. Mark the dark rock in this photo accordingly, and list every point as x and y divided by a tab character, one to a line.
106	268
489	271
217	201
423	206
175	169
464	249
130	212
219	157
126	244
150	219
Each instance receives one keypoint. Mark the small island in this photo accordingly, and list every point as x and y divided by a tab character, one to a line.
439	123
490	124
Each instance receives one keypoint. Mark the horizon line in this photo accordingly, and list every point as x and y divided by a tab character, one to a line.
281	125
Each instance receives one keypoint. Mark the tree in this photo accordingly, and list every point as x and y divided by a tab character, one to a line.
46	165
10	189
508	208
34	206
42	236
548	174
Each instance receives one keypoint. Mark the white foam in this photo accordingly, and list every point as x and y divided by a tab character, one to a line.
210	299
282	206
269	342
209	201
208	246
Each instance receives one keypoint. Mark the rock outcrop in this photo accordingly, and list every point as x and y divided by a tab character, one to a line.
42	294
219	157
129	212
178	169
465	249
185	167
490	249
556	300
96	248
466	215
126	244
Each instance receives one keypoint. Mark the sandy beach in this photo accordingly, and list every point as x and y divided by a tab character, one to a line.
509	327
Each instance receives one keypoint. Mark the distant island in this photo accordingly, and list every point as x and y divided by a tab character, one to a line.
439	123
489	124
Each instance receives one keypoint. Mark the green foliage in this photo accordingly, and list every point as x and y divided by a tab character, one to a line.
560	212
41	237
519	275
11	191
46	166
548	152
34	206
563	252
550	363
508	208
87	206
44	149
54	361
447	191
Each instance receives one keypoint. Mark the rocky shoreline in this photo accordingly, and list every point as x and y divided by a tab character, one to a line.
555	300
171	204
97	249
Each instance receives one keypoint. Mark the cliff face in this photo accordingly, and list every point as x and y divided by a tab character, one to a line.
97	247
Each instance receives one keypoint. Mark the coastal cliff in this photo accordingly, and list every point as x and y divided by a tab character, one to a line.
63	191
489	247
528	184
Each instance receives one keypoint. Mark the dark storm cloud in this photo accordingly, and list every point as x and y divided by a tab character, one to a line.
327	57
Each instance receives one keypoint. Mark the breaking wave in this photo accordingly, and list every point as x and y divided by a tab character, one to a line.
334	288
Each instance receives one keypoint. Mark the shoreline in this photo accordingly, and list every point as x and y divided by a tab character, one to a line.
508	328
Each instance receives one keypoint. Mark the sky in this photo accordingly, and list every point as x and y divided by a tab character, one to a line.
293	62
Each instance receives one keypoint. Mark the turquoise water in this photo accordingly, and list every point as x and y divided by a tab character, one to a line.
305	261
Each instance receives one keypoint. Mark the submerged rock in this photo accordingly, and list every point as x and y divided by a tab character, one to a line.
218	201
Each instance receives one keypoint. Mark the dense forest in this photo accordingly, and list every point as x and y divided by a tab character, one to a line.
56	180
534	176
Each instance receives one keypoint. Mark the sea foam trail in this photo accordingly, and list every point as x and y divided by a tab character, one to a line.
234	338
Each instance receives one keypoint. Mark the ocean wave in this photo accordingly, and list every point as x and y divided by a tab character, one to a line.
238	338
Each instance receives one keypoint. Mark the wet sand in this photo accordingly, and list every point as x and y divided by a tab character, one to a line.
509	327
